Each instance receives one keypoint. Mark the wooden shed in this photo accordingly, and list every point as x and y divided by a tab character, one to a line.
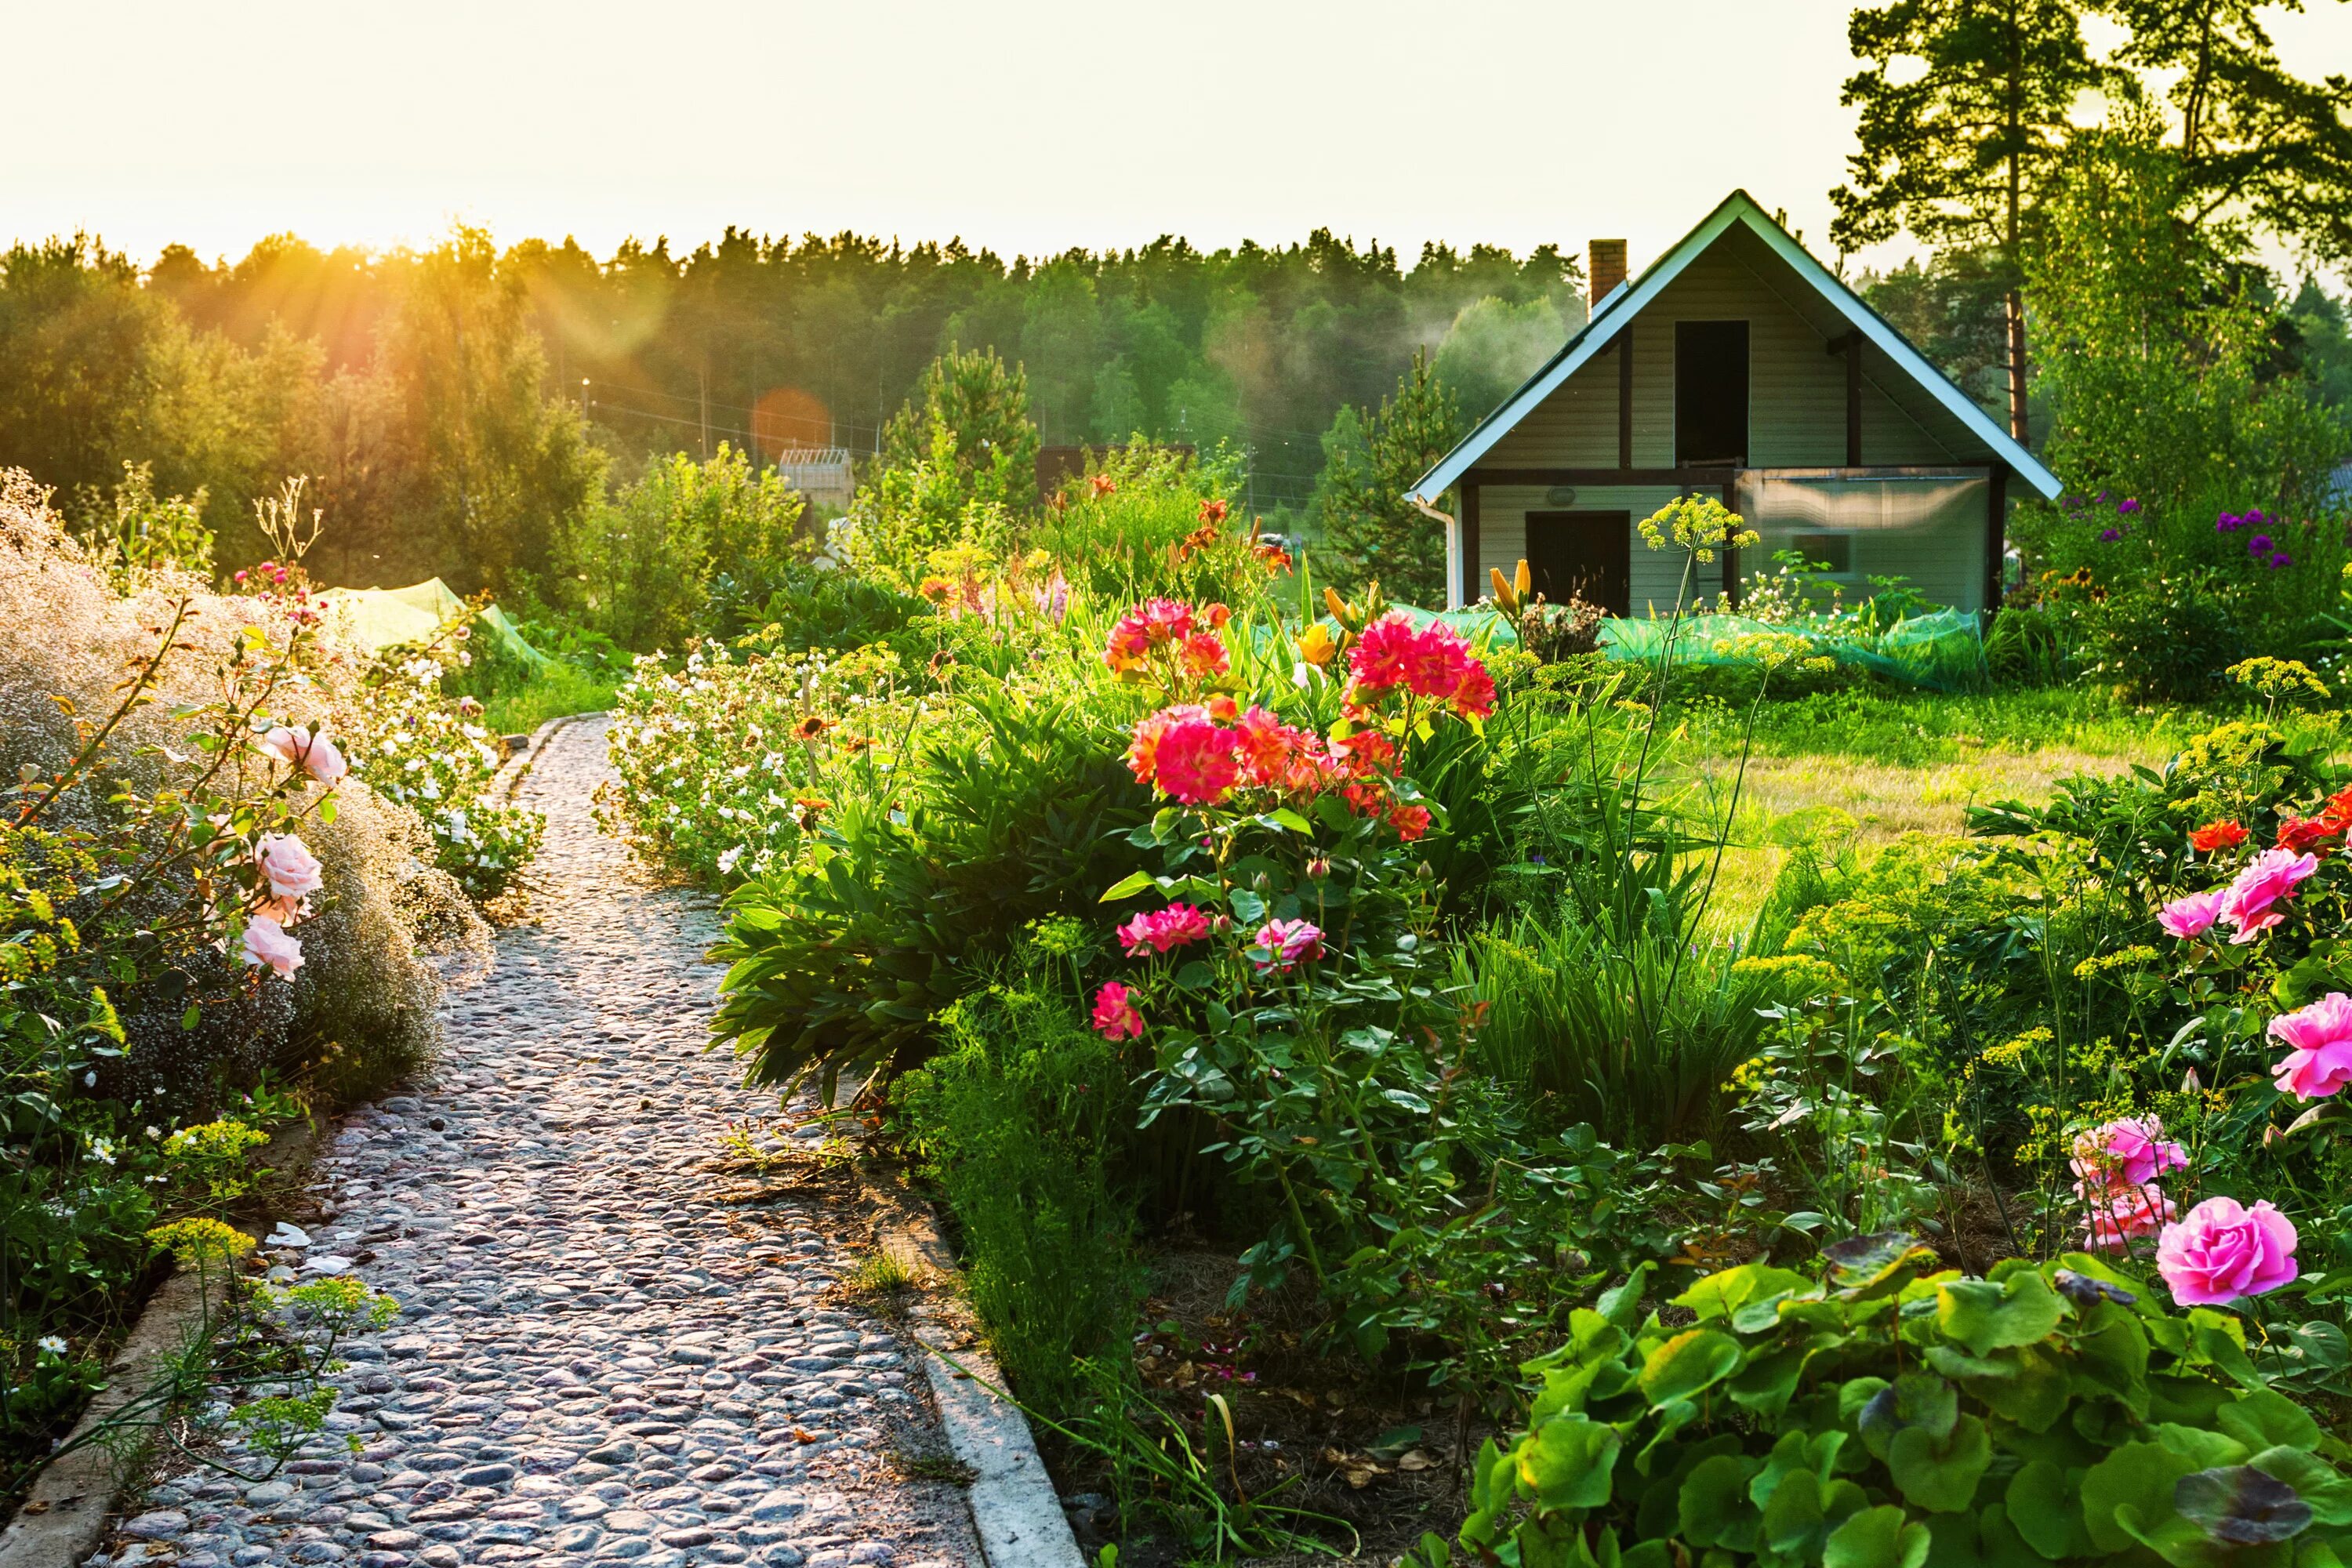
1737	365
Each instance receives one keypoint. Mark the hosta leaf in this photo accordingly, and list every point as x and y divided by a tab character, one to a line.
2265	1419
1985	1316
2137	1475
1568	1464
2043	1508
2238	1505
2320	1485
1694	1360
1940	1475
1876	1537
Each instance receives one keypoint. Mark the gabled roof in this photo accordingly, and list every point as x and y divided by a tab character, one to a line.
1617	309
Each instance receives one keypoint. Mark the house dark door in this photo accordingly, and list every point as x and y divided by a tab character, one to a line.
1586	554
1710	395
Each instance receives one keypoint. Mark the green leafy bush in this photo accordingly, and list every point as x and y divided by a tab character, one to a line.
1022	1118
1886	1416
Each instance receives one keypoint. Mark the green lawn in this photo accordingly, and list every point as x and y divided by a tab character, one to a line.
563	689
1864	767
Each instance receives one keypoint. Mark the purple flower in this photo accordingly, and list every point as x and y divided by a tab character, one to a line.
2125	507
2109	535
2228	522
2260	545
2255	519
2281	559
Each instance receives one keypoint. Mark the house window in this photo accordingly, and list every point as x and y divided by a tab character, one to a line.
1831	552
1710	395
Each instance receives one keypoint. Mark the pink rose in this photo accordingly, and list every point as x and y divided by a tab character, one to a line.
2116	1220
1197	762
285	911
2191	916
2319	1060
1115	1014
268	945
1288	944
296	747
290	866
1163	930
2127	1153
2247	902
2223	1251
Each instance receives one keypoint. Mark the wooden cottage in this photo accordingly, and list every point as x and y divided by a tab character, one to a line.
1736	366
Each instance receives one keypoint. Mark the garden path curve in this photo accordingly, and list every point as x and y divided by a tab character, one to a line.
598	1360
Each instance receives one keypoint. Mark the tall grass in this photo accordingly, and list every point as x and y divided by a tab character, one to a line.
1631	1035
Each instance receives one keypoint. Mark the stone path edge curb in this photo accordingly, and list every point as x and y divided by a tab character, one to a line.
1014	1505
65	1514
515	769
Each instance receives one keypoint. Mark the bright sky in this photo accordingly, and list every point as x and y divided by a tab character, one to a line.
1026	127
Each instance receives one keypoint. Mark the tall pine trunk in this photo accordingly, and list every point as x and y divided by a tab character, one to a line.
2014	301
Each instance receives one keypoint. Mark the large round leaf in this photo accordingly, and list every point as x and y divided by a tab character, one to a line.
1876	1537
1940	1474
1692	1361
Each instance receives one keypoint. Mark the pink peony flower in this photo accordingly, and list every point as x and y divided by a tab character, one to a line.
1143	752
290	866
1378	660
2248	904
1474	697
2116	1220
2191	916
2125	1156
1152	624
2319	1060
298	748
267	944
1203	655
1437	662
1115	1014
1162	931
1288	944
1195	762
2222	1251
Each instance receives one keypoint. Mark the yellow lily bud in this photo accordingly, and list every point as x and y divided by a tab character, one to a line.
1502	594
1520	580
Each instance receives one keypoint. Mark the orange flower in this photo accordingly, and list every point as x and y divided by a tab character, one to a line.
2213	835
1214	512
1104	485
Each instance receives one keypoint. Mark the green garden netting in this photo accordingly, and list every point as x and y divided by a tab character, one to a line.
371	618
1942	650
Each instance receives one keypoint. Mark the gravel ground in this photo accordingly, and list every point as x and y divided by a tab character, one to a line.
597	1360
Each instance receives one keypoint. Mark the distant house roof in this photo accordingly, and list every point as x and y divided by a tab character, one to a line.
1625	302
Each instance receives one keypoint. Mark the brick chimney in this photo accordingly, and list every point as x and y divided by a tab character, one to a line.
1605	267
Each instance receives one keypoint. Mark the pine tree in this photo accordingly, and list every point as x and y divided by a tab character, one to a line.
1365	518
983	404
1961	153
2255	141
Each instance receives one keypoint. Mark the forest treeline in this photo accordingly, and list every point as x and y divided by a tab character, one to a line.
461	408
458	406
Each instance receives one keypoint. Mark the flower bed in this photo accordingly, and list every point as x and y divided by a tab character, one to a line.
1161	913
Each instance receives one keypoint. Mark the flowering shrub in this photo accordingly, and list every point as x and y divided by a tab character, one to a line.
432	753
193	896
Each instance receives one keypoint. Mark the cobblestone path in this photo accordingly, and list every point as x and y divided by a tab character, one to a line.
597	1361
